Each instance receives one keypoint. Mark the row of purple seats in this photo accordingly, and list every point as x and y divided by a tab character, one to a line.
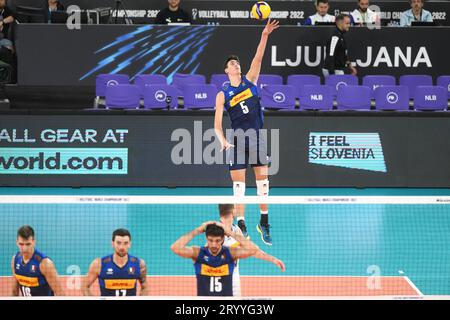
354	97
336	81
159	96
298	81
313	97
371	81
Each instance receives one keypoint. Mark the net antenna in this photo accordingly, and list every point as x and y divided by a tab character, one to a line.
118	5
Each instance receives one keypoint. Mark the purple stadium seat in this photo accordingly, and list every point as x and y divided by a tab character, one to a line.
354	98
392	98
300	80
122	96
316	97
143	80
374	82
265	79
412	81
430	98
278	97
104	80
158	96
336	81
444	81
200	96
219	80
180	80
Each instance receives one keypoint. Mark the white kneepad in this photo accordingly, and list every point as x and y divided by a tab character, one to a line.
239	189
262	187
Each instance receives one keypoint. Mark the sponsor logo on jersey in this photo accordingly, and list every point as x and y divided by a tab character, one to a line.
120	284
244	95
109	271
27	281
215	272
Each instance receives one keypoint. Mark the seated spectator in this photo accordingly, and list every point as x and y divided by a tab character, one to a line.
322	15
173	14
6	18
53	5
363	15
416	13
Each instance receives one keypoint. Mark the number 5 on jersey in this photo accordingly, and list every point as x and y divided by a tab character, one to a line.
243	107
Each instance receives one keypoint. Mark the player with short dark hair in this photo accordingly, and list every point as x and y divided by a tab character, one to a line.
34	274
118	273
240	99
214	263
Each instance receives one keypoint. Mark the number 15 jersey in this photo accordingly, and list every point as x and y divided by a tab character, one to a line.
214	273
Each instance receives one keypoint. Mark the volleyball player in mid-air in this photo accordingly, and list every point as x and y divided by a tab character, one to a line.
240	98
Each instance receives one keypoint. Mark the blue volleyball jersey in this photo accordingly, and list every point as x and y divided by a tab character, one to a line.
214	273
242	104
115	281
31	281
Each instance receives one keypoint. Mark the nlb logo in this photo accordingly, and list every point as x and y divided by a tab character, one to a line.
430	97
317	97
349	150
201	95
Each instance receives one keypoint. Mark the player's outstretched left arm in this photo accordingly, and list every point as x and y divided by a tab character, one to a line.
255	67
48	270
260	254
143	278
267	257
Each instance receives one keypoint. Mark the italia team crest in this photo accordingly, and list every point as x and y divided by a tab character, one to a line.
131	270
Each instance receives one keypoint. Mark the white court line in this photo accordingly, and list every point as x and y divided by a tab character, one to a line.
108	199
413	286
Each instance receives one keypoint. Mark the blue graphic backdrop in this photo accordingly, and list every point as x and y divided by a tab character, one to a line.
153	50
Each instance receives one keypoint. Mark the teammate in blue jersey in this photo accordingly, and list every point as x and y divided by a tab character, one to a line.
34	274
214	263
241	101
119	273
